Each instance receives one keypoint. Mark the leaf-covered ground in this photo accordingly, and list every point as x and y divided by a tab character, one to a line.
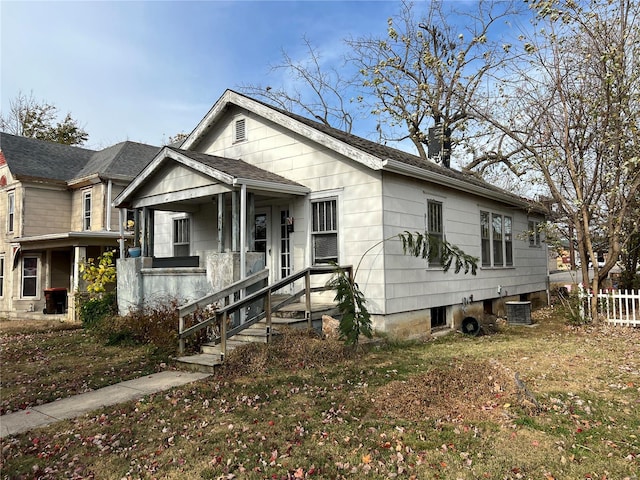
306	408
43	361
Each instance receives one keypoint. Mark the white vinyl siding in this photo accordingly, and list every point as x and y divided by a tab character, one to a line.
324	231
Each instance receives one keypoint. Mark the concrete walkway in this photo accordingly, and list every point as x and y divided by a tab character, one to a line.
71	407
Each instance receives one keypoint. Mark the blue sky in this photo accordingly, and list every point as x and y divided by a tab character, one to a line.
144	71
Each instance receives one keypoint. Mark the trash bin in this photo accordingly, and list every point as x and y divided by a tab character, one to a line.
55	300
519	313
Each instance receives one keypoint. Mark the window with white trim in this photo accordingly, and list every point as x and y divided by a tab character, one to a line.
1	276
534	233
86	210
324	230
29	276
181	237
240	130
435	229
496	239
11	211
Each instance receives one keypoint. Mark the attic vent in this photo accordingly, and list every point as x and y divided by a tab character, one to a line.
240	130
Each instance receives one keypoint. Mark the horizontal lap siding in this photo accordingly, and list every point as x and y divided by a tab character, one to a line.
46	211
278	150
411	285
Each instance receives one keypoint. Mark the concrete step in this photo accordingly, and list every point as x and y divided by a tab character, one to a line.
201	362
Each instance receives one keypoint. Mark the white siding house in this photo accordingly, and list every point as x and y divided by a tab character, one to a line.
249	170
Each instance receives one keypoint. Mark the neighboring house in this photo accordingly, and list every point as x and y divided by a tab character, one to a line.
254	185
56	212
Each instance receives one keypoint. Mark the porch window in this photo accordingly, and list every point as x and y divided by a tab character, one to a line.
29	276
86	210
181	237
285	244
11	211
324	231
435	230
496	238
1	276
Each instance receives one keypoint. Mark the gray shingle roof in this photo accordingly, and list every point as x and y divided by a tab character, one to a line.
385	152
236	168
123	159
29	158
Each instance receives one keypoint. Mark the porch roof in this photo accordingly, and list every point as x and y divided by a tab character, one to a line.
229	172
68	239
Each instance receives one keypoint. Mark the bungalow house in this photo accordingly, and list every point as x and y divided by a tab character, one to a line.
254	186
56	212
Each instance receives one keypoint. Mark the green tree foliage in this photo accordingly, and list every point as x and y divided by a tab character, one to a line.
100	273
28	117
356	320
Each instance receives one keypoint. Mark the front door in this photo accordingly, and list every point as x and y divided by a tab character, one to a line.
272	238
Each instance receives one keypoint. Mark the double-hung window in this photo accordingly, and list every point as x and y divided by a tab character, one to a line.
534	233
181	237
324	230
496	240
11	211
29	276
86	210
435	229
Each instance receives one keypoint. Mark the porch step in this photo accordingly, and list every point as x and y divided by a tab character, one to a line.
201	362
292	315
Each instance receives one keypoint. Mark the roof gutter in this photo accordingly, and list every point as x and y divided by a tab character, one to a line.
272	186
401	168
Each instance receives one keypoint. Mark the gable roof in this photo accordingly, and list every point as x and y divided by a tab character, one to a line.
374	155
32	159
40	160
123	160
230	172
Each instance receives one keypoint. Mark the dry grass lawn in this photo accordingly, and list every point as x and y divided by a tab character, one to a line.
303	407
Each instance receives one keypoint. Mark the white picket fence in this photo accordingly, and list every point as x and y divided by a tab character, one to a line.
617	306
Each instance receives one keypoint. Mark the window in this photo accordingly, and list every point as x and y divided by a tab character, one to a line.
240	130
29	276
86	210
324	231
285	244
1	276
438	317
11	211
181	237
435	230
534	233
496	238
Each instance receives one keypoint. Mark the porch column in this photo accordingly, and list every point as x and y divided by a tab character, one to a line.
234	221
243	232
122	217
220	222
147	232
79	256
251	231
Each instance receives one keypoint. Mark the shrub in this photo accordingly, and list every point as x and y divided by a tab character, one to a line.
94	310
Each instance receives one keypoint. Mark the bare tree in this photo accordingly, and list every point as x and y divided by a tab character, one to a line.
28	117
574	115
313	89
428	71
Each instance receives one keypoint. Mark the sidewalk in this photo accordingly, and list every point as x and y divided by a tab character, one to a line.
77	405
